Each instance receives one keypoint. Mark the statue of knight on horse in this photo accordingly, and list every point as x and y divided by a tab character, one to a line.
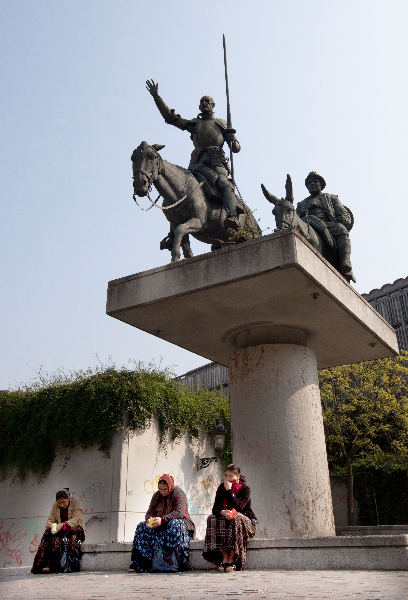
208	161
201	200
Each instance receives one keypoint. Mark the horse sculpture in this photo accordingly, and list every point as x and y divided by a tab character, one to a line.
186	205
313	229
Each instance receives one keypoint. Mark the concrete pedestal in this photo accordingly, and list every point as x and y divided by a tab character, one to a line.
278	439
274	311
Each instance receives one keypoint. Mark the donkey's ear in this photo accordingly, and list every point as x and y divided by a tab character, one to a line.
289	188
270	197
158	147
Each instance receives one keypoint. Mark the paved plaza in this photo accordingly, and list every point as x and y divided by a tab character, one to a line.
18	583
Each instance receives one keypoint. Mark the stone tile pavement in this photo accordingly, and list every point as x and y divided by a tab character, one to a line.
19	584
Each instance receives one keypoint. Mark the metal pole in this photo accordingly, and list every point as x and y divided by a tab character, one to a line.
229	121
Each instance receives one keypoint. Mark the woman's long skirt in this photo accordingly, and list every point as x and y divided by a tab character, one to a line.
224	535
147	541
51	546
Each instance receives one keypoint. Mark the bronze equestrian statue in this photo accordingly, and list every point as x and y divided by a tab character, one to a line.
208	160
199	200
188	208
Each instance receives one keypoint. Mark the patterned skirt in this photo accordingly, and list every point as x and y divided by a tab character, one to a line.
224	535
147	541
51	546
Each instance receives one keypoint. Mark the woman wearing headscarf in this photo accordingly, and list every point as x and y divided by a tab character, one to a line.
65	520
167	529
232	523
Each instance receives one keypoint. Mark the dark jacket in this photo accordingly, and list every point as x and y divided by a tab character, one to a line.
241	502
179	508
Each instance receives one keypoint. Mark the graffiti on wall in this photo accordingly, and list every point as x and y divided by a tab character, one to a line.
19	539
91	494
202	494
12	543
94	490
35	542
255	451
34	524
150	485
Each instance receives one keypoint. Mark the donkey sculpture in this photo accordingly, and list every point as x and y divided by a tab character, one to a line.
313	229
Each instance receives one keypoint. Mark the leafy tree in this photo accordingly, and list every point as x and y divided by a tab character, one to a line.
365	411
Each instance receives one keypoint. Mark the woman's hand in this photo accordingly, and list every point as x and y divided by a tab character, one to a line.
227	484
60	526
226	513
155	523
48	525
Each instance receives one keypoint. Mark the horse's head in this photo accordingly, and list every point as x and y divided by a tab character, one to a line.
147	164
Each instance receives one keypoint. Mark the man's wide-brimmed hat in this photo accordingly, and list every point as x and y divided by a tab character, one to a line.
315	175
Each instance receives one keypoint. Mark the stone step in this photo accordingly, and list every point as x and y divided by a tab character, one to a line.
372	530
377	552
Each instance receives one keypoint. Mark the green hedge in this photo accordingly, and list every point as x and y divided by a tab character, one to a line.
382	496
37	425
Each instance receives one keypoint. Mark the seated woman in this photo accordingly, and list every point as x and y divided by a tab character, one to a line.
232	523
66	516
167	527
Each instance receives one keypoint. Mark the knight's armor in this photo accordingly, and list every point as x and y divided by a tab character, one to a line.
208	159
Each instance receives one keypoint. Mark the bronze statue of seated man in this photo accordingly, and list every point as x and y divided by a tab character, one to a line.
321	218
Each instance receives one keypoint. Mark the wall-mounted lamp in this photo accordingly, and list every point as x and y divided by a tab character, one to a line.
218	432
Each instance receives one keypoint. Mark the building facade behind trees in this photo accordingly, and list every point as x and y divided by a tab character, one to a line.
391	301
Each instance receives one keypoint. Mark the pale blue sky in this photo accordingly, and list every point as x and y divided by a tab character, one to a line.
315	84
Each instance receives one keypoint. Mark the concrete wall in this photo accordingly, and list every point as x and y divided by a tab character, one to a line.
339	498
142	465
114	492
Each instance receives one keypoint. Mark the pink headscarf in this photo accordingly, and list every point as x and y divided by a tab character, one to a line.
167	479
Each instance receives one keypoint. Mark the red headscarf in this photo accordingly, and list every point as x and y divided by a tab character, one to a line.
167	479
164	504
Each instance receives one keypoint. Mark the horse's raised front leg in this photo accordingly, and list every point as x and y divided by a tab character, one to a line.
180	231
185	246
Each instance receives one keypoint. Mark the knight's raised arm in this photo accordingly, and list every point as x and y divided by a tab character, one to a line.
168	114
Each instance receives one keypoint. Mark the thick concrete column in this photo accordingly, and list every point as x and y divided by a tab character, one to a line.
278	439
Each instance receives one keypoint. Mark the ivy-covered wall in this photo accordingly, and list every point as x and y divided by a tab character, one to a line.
114	492
47	421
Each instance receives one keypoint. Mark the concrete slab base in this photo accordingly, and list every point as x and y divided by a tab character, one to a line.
376	552
276	289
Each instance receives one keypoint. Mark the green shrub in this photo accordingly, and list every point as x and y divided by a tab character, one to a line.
50	419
